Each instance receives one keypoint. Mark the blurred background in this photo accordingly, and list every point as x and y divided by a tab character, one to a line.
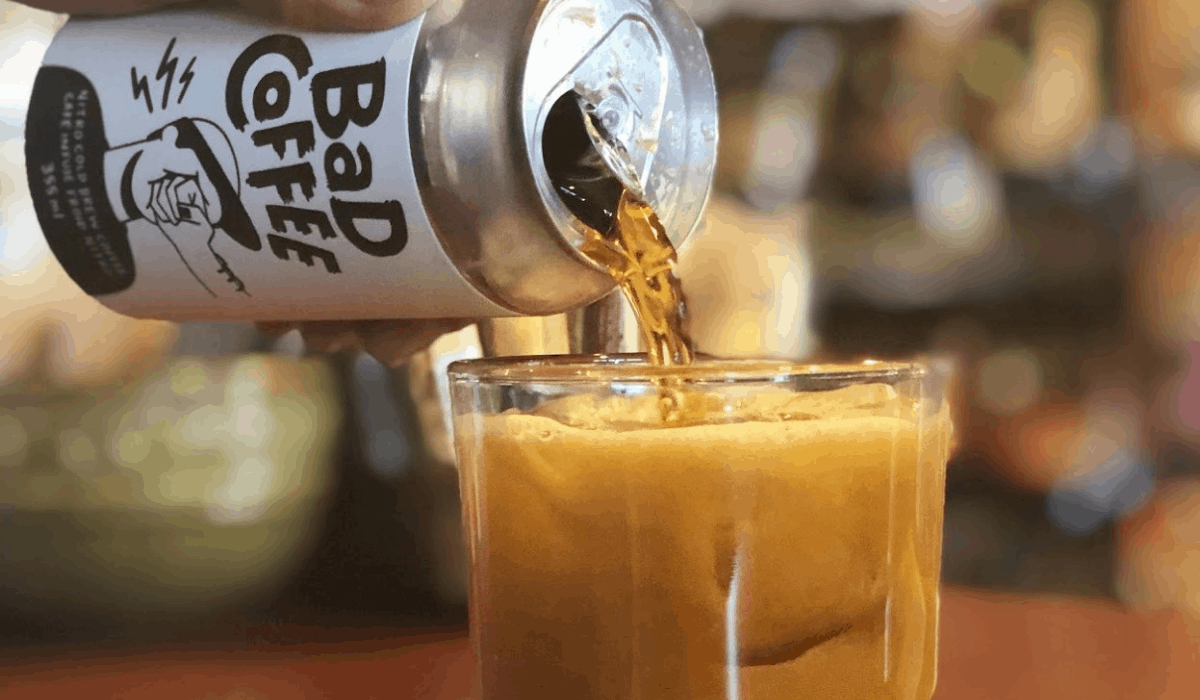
1010	185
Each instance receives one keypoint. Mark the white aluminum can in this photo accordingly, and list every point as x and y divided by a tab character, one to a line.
192	165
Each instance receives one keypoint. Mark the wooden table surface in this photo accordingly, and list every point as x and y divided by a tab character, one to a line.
992	646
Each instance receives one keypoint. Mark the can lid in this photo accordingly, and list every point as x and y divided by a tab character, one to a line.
488	85
641	75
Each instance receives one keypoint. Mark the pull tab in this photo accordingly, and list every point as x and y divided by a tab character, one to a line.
638	72
611	151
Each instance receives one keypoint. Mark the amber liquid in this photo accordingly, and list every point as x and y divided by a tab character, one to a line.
638	254
703	546
764	559
640	257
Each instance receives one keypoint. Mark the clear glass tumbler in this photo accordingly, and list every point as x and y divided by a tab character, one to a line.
730	530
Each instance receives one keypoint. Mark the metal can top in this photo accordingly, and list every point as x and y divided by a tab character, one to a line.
642	68
488	82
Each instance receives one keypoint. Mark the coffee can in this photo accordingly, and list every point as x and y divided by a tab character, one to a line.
200	165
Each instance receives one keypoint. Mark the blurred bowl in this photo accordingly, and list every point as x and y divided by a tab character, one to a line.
198	489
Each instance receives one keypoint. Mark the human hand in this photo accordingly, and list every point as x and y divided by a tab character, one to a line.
391	341
327	15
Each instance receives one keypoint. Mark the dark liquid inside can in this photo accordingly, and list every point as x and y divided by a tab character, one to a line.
584	183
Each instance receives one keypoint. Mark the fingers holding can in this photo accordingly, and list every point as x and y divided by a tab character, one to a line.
327	15
391	341
363	15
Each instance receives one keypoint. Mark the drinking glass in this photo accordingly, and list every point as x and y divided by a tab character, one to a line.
751	530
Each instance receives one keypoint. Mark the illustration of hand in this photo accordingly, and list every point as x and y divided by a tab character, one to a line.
169	176
177	199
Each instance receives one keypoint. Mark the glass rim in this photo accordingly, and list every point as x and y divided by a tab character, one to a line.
635	368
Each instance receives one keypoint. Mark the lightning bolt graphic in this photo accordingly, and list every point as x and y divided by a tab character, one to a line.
186	79
140	88
167	67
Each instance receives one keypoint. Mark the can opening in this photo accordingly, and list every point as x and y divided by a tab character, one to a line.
584	183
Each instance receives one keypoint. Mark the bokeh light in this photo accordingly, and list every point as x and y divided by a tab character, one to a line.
1012	185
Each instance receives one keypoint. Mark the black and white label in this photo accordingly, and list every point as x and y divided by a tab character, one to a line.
188	165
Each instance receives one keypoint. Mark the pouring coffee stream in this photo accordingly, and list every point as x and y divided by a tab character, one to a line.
595	178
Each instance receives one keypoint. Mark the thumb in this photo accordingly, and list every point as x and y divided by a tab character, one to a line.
320	15
338	15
